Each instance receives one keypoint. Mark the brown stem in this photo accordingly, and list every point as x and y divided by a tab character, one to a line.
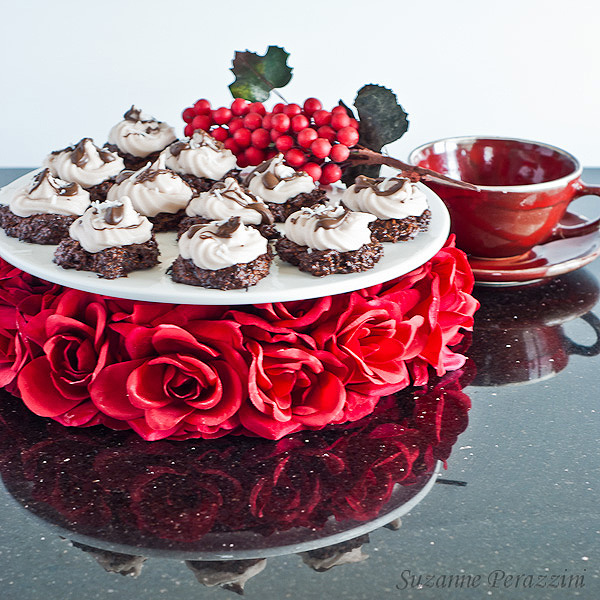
364	156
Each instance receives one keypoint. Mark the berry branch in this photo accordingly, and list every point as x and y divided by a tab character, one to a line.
364	156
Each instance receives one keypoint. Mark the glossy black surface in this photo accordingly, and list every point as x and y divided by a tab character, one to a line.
519	518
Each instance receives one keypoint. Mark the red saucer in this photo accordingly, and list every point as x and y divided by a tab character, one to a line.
542	262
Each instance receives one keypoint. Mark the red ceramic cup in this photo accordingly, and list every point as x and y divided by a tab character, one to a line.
524	190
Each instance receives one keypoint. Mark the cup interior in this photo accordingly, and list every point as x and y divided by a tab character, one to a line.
495	161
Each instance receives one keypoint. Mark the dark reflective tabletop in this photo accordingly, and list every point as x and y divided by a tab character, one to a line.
484	484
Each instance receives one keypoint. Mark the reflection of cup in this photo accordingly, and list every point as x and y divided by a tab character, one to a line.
519	337
524	190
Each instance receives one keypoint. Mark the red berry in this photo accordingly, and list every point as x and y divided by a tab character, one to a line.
295	157
306	137
311	105
232	145
339	109
299	122
353	123
330	173
222	116
202	122
188	130
339	153
239	107
242	161
291	110
270	153
220	134
257	107
254	156
202	107
320	148
188	114
278	108
313	169
252	120
275	135
327	132
266	120
339	120
321	117
242	136
235	124
280	122
347	136
284	142
260	138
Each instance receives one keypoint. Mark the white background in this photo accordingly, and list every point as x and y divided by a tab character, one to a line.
521	68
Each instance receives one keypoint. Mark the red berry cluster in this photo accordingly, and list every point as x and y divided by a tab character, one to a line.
311	139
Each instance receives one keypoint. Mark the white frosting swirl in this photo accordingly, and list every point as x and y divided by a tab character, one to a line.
201	155
84	163
153	189
386	198
329	227
49	195
208	251
139	134
94	233
276	182
228	199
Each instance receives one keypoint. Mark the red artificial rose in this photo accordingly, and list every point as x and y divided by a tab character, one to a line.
373	340
298	315
75	346
177	383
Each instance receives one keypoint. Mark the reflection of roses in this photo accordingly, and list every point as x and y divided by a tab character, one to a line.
181	490
177	382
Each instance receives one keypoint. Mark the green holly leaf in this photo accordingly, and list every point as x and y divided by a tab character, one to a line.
256	76
382	121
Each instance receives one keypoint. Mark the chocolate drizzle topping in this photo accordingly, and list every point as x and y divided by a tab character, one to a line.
270	180
362	182
224	230
177	148
123	175
236	196
113	215
152	174
135	114
71	189
323	219
79	156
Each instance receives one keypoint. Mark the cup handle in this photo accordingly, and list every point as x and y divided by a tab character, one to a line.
572	347
562	232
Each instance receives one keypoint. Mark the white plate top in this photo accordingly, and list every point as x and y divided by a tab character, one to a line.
284	282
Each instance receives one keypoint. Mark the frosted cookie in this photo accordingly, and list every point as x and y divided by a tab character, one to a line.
224	255
329	239
84	163
200	160
400	206
111	239
139	138
283	189
155	192
42	211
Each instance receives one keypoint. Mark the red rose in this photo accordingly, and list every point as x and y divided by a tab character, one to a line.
299	315
373	340
74	347
178	383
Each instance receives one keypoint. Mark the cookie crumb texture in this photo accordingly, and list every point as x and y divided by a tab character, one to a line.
37	229
235	277
109	263
400	230
282	211
327	262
